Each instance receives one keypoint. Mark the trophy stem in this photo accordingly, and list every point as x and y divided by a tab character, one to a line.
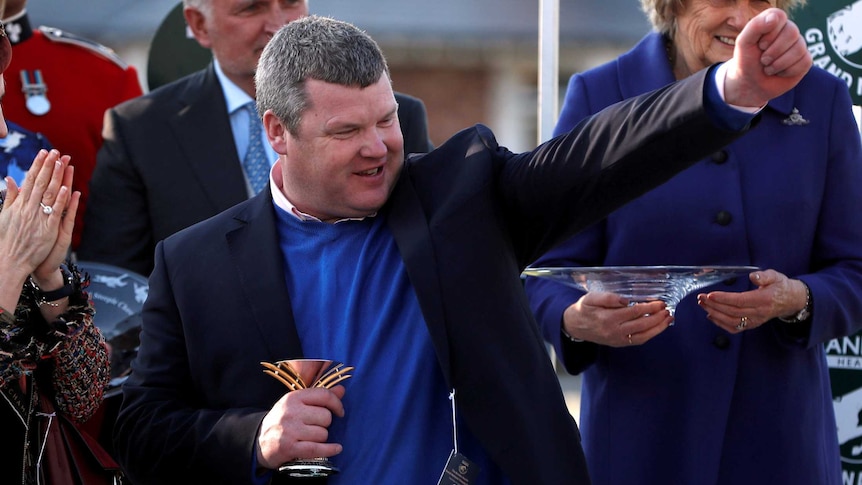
309	468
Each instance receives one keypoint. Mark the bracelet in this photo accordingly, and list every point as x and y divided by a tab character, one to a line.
803	314
49	297
566	334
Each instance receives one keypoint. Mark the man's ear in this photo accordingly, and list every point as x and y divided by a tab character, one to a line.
276	132
197	24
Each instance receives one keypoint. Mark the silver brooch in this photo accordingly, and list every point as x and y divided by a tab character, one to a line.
795	119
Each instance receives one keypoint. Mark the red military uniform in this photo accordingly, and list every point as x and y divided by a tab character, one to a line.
60	85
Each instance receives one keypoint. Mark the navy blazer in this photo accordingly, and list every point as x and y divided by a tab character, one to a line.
168	161
696	404
467	218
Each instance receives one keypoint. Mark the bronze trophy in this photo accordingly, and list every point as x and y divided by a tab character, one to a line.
305	374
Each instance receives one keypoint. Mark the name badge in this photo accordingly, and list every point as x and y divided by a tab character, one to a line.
459	471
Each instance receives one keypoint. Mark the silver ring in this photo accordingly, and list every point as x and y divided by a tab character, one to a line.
743	321
46	209
630	339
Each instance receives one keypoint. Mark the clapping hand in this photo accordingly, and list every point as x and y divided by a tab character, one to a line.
37	220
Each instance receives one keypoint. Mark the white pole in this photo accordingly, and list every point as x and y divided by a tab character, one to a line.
549	46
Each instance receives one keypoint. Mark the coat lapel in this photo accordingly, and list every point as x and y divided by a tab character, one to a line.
633	78
409	227
259	263
203	132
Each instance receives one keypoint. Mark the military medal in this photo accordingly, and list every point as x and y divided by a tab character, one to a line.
37	103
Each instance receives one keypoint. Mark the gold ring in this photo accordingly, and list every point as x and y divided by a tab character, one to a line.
743	321
630	339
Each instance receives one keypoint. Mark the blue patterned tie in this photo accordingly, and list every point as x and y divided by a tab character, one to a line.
255	163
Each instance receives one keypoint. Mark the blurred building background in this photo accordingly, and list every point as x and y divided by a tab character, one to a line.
471	61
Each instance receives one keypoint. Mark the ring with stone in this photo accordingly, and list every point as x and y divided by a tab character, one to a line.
46	209
743	321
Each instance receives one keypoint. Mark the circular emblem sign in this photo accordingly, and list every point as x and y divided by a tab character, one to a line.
832	29
118	296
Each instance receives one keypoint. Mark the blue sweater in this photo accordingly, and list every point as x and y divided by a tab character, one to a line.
353	303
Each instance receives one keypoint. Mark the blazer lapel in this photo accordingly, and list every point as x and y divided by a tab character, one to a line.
633	78
409	227
203	132
257	260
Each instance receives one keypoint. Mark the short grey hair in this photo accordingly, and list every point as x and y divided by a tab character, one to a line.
662	13
313	47
203	5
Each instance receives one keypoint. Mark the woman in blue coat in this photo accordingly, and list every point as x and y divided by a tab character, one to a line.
737	391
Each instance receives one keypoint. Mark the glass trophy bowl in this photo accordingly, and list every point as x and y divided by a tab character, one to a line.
642	283
303	374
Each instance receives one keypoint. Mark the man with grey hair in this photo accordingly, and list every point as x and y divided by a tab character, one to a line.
193	147
406	270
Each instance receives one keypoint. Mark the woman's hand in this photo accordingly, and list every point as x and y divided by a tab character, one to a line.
60	250
776	295
608	319
37	220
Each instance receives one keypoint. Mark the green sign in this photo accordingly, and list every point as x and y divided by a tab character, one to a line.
844	357
174	52
833	32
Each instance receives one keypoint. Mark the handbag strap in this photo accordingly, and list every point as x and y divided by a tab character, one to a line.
73	432
52	461
71	452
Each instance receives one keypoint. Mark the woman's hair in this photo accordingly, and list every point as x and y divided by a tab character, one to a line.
662	13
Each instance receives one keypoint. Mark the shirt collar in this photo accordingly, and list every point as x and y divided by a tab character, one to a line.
234	97
280	201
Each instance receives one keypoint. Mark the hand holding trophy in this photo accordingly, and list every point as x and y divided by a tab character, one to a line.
298	374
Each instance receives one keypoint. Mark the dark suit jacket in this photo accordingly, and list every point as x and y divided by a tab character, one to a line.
467	218
168	160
